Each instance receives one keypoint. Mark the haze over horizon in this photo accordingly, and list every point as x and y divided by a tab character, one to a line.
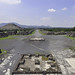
56	13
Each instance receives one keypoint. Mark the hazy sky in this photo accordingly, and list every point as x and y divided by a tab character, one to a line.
38	12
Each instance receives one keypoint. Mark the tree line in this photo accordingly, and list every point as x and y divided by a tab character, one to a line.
59	29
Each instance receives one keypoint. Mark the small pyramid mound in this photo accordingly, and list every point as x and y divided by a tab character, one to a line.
10	26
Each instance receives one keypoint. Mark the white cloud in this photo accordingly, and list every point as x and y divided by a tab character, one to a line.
51	10
64	9
45	18
10	1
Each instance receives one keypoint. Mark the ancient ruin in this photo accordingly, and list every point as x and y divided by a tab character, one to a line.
37	39
2	34
37	64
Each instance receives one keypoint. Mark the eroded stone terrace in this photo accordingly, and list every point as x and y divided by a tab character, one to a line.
37	64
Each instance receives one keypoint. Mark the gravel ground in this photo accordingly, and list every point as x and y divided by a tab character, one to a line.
58	45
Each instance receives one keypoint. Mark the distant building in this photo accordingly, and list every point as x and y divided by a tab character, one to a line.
2	34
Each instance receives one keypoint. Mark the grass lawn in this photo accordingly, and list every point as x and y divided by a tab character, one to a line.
73	38
9	37
3	52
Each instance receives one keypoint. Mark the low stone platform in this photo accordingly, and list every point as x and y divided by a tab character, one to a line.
37	39
37	64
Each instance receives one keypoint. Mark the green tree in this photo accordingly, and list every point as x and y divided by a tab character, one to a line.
73	28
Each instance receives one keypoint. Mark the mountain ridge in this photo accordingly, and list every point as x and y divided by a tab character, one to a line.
26	26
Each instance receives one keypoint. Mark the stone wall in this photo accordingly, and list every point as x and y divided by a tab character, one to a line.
72	34
54	33
2	34
24	32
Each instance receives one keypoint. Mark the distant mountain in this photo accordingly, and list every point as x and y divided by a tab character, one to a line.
42	26
25	26
33	26
10	26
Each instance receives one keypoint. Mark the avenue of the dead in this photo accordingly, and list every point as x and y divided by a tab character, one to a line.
57	45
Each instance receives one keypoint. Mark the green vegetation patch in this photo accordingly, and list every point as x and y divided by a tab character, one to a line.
59	29
72	48
9	37
73	38
44	58
3	52
32	33
41	32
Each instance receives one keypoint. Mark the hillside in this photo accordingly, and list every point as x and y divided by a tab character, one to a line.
10	26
